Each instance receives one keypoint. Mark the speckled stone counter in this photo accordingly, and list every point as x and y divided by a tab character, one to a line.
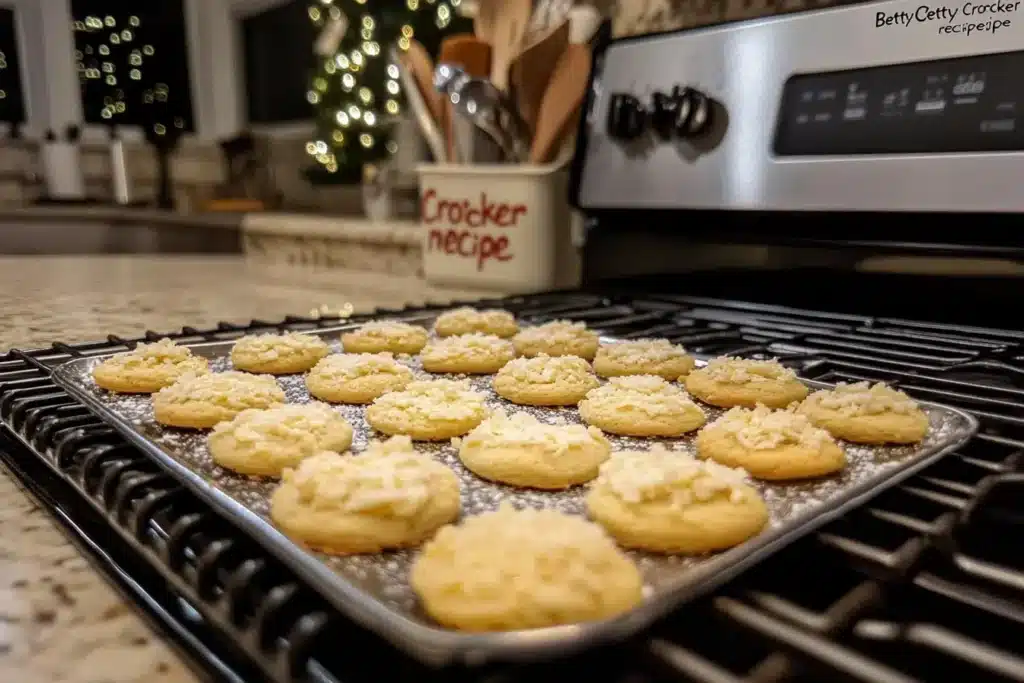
59	620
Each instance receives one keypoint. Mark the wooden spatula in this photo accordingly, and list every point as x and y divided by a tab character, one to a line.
531	71
562	100
474	56
512	17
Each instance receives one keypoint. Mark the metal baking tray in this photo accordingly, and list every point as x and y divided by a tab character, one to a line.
373	589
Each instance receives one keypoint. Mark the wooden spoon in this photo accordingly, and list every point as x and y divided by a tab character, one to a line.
416	101
562	101
418	60
531	71
486	19
474	56
512	17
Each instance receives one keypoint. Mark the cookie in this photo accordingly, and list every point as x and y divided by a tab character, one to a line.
522	451
148	368
557	338
356	378
467	320
545	380
385	335
473	354
201	401
866	413
770	444
264	442
387	497
643	357
669	502
727	382
278	354
641	405
523	569
432	410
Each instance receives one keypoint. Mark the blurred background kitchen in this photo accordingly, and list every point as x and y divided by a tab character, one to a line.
274	128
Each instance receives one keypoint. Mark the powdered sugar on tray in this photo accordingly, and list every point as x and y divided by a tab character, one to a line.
384	576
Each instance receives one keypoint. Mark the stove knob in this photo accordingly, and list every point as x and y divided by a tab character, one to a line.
627	117
693	117
663	114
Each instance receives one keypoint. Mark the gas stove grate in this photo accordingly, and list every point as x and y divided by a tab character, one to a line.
925	582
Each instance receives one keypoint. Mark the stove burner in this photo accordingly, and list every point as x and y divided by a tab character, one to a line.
924	582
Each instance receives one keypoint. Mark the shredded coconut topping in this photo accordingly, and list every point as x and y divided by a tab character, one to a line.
389	479
763	428
663	476
744	371
544	369
522	429
306	424
642	351
555	332
648	394
164	353
477	320
268	347
490	554
864	398
468	346
343	366
235	390
436	399
389	329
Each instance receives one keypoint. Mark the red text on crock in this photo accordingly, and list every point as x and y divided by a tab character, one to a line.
464	227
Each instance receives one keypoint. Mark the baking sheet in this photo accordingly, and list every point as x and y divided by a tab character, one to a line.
373	589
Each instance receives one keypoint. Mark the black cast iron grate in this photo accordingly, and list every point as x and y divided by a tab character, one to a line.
926	582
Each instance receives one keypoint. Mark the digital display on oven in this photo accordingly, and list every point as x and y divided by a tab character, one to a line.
968	104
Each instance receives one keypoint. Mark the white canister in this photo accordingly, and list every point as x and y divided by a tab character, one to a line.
63	169
499	227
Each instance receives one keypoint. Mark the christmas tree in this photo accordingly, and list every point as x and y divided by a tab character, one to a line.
355	91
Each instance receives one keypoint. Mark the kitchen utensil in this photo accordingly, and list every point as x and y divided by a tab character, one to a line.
418	104
476	104
472	143
422	67
561	103
467	9
531	71
485	18
446	77
473	56
547	16
479	101
584	21
512	17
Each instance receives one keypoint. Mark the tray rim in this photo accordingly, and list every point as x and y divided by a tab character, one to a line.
438	647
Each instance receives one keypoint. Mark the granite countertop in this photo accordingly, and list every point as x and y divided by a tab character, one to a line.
59	620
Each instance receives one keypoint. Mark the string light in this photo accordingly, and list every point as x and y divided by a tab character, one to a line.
112	60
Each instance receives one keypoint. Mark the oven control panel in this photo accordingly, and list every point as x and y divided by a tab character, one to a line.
882	106
968	104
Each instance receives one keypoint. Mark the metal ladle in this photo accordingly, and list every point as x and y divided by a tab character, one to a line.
480	102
